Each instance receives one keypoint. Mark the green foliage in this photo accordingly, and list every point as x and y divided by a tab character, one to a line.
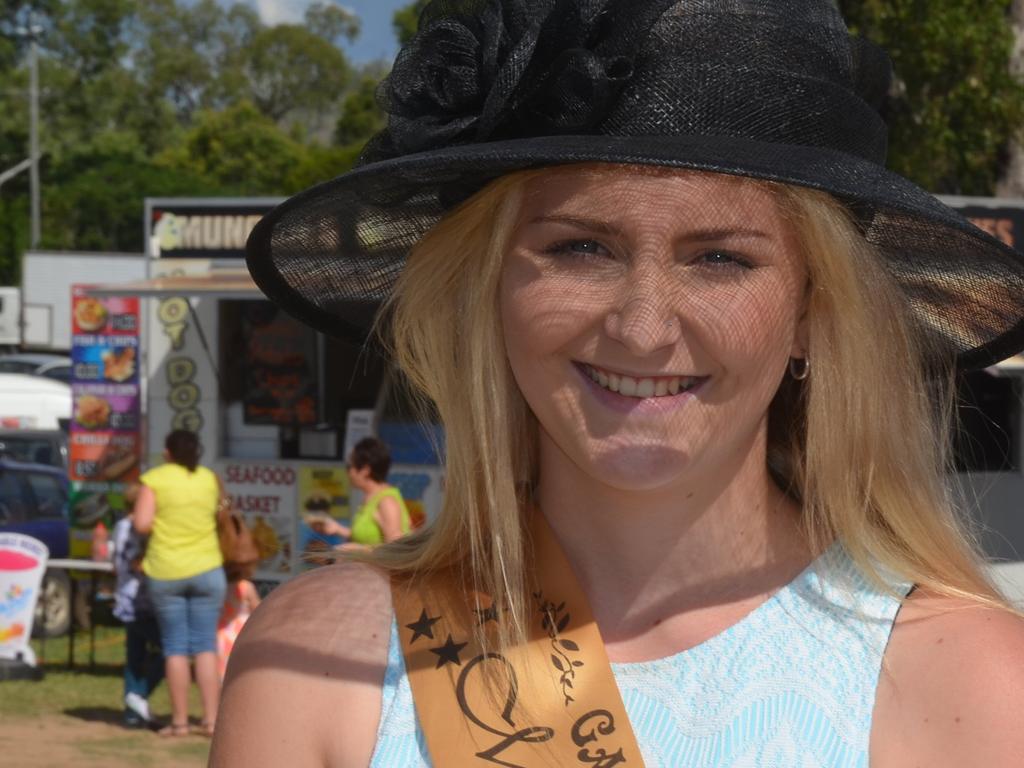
332	22
239	150
406	19
956	104
289	68
361	117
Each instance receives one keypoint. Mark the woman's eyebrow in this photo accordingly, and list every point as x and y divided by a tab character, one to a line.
724	233
697	236
595	225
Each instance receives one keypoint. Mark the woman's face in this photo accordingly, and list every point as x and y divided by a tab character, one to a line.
649	318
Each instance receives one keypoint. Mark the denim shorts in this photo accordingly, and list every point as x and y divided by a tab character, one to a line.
187	611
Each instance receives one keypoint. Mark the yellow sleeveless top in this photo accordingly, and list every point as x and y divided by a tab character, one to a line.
184	538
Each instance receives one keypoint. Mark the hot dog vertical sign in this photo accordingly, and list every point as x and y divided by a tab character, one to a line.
105	450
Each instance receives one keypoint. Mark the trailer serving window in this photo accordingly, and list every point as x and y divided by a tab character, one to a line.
287	386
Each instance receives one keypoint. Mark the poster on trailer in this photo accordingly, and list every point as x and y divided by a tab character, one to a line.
105	446
265	495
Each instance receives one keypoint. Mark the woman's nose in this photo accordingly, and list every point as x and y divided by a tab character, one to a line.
644	320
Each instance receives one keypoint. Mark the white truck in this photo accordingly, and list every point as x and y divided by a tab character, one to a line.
10	317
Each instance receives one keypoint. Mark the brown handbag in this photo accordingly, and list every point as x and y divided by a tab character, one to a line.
237	544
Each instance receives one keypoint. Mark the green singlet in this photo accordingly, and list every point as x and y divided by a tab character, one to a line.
364	527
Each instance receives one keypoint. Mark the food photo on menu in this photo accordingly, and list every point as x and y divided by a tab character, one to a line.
92	412
90	314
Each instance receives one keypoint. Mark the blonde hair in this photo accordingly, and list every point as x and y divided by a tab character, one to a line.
881	489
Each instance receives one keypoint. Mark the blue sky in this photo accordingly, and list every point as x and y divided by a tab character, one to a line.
376	40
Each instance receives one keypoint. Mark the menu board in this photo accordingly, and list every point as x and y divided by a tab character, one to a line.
280	367
105	445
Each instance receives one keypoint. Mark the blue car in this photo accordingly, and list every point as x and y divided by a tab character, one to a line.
34	501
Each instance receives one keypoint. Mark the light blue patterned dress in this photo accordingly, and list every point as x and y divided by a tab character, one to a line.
792	685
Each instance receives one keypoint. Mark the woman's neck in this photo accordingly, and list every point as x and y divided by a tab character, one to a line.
647	557
370	487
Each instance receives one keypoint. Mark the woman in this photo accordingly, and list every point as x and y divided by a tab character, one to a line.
177	506
691	345
383	516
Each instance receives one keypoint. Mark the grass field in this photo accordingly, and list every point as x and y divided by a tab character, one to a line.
73	716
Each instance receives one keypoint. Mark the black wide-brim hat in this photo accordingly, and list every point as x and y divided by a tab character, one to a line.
769	90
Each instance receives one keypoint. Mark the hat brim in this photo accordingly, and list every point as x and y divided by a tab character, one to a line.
330	255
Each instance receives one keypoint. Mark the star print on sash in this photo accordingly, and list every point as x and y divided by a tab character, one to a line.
484	615
448	653
423	626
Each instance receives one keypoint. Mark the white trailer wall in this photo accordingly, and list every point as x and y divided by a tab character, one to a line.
47	277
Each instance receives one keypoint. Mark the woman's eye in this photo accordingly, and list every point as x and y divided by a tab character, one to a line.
723	259
578	248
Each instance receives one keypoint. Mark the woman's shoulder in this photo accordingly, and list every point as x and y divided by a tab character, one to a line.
154	475
952	689
304	681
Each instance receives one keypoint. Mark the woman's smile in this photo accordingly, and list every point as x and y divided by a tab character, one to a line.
625	392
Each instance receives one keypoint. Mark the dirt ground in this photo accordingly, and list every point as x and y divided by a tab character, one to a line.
57	741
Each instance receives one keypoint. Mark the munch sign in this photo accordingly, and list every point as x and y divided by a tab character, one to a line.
187	229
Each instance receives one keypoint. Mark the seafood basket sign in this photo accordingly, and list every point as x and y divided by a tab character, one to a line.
265	495
105	445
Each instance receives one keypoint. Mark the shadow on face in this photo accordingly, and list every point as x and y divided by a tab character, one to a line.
649	316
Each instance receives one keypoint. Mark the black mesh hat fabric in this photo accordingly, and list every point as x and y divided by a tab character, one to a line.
771	90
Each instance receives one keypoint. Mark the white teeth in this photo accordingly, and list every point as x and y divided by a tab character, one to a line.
641	388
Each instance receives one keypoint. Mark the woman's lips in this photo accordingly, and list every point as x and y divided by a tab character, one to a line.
629	394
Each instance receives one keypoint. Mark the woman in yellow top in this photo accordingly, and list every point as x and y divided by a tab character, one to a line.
383	517
177	506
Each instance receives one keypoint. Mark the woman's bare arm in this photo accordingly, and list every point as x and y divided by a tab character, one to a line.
251	596
144	510
389	517
303	685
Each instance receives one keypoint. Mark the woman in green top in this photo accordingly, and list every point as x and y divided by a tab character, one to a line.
383	517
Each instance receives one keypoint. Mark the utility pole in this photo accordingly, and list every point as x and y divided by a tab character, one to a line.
31	32
33	95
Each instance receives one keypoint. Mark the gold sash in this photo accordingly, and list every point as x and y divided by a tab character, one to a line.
556	702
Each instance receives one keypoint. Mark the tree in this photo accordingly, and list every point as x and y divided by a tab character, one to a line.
955	105
332	22
361	117
405	20
238	150
290	68
1012	182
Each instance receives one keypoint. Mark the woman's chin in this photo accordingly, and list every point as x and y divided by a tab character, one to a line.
638	468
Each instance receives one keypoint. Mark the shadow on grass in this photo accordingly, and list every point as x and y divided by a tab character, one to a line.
97	714
100	670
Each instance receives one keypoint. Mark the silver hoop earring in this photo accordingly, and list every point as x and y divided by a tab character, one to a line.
796	370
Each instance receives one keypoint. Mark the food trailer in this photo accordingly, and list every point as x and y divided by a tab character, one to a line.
277	405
